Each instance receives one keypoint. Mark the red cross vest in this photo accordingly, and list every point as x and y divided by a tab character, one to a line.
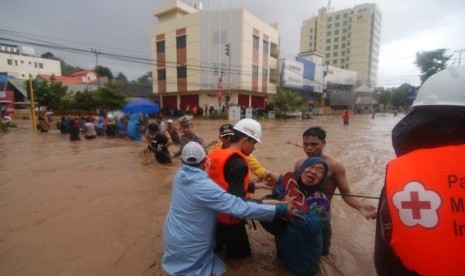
425	191
216	162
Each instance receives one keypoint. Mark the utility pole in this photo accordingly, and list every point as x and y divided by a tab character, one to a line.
96	52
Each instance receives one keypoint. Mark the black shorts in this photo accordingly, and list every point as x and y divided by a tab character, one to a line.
235	238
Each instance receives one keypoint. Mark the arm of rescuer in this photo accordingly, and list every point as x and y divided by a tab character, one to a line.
368	210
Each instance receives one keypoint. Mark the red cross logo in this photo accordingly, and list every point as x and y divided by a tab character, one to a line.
417	206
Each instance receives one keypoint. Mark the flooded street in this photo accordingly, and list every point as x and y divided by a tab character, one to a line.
97	207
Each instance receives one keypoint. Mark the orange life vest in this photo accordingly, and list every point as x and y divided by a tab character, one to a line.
425	191
216	162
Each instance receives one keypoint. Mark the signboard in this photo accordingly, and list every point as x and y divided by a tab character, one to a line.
234	113
248	113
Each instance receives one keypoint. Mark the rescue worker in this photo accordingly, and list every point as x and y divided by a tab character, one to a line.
228	168
226	132
421	220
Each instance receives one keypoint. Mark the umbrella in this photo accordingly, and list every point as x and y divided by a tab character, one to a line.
141	106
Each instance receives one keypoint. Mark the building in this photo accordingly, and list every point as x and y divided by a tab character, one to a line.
317	82
84	80
201	56
349	39
19	62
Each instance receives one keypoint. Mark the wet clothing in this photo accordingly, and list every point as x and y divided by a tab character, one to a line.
190	222
300	245
234	237
421	140
185	140
217	160
74	131
158	146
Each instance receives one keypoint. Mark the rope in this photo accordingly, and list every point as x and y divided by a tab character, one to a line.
361	196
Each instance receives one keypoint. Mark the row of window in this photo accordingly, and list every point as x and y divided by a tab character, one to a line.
182	72
180	44
338	16
15	62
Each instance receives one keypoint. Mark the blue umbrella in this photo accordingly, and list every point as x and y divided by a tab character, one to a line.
141	106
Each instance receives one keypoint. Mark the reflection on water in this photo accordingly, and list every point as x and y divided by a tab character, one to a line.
98	206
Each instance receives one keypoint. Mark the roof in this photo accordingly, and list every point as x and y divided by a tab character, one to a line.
82	73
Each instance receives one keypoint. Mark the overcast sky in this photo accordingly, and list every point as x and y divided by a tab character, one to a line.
124	26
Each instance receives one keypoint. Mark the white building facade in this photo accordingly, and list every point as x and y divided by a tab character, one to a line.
20	62
349	39
203	55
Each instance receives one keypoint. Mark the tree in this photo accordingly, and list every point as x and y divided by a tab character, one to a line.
146	80
384	98
51	94
121	78
84	101
431	62
287	101
108	97
67	70
104	72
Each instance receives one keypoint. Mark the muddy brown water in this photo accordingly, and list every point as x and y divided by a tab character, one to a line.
98	207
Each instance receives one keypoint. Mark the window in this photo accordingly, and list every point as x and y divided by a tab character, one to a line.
336	25
327	55
254	71
336	32
343	45
334	61
10	61
161	74
328	33
310	30
182	71
160	47
265	74
334	54
328	26
328	41
335	47
338	17
256	42
265	46
342	60
330	18
336	39
328	48
41	65
181	42
16	63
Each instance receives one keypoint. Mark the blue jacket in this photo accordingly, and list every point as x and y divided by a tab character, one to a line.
188	233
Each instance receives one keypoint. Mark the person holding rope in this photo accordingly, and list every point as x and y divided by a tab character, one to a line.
314	141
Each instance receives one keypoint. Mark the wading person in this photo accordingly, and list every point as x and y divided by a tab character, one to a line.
314	141
226	132
421	224
228	168
187	133
300	245
158	143
190	223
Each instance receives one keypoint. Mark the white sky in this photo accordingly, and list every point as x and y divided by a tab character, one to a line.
124	27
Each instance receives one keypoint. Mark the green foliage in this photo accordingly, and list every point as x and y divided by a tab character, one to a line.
287	102
108	97
384	98
146	80
399	96
121	78
51	94
67	70
104	72
84	101
431	62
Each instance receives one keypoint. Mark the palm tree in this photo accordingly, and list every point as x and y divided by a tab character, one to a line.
286	102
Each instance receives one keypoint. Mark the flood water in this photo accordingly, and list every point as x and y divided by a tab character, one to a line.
97	207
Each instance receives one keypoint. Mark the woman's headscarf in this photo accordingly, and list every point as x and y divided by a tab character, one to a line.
307	163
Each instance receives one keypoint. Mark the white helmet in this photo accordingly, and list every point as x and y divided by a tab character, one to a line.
250	128
446	87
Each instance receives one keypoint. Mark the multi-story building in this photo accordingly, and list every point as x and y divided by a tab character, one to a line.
19	62
203	55
349	39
